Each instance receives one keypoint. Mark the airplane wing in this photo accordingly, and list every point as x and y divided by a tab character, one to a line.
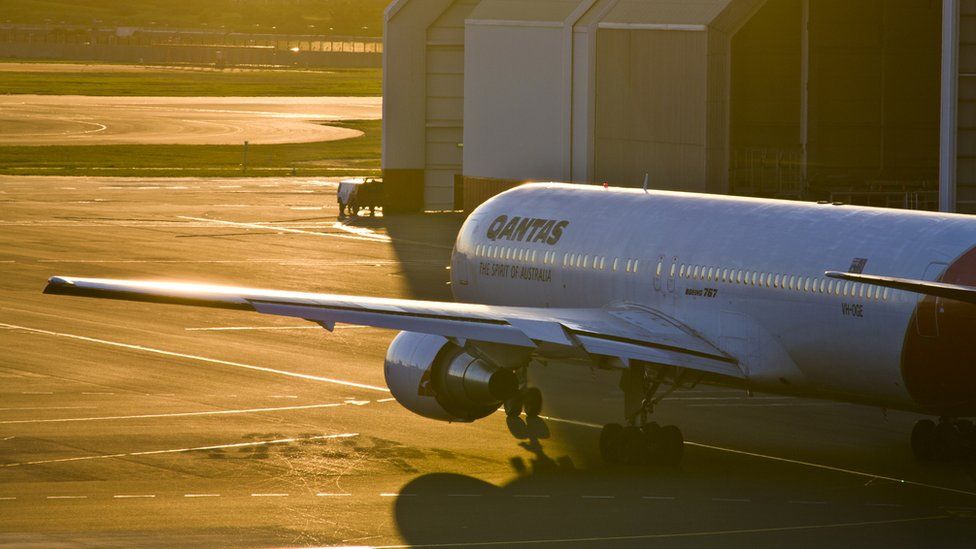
957	292
624	332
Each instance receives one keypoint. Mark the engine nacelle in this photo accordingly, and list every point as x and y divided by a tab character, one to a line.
435	378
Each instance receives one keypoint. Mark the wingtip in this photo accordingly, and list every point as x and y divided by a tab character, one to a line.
57	285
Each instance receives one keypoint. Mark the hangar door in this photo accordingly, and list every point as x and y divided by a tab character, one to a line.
445	105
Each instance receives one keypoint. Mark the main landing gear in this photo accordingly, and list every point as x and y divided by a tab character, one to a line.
528	399
949	439
641	442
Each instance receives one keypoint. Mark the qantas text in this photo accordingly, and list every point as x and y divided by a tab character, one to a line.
526	229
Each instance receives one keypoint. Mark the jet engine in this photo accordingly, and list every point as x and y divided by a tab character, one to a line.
431	376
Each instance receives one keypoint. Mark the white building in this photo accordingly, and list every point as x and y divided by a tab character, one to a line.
829	99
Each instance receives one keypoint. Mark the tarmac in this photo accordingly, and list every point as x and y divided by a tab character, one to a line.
128	424
95	120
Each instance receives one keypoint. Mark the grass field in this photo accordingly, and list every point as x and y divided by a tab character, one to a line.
356	156
196	83
346	17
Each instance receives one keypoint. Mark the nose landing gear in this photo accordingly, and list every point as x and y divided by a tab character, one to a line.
642	442
949	439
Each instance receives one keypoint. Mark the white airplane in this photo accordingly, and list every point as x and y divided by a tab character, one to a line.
672	289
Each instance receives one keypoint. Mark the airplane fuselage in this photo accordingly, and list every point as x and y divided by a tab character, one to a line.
748	276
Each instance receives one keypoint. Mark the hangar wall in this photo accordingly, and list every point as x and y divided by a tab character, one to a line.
806	99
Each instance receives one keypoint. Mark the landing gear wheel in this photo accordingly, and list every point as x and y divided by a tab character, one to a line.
672	445
513	406
636	450
532	402
611	442
924	440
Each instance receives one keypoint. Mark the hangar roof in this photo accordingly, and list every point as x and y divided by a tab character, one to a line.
520	10
666	12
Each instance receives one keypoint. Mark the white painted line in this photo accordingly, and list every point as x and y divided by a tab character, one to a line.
181	450
201	495
48	408
769	405
67	497
331	495
283	396
271	495
386	400
786	460
134	496
172	415
89	393
7	498
266	227
356	402
36	393
668	498
200	358
388	495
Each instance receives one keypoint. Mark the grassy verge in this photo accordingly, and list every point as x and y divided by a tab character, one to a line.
195	83
356	156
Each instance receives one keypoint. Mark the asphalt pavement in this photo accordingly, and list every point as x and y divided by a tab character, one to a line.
128	424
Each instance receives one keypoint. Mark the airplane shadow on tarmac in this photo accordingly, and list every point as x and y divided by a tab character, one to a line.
712	499
422	244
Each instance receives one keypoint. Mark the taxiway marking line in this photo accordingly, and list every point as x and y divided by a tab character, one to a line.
330	495
7	498
181	450
197	358
134	496
265	227
269	495
66	497
174	414
787	460
674	535
201	495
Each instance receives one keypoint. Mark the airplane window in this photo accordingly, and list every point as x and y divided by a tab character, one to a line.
660	265
724	275
586	262
738	277
696	272
673	267
868	290
616	262
792	284
711	272
806	284
565	260
755	278
885	295
823	285
534	255
681	271
636	263
776	282
847	287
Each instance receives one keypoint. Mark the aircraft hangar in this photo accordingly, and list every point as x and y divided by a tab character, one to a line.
869	102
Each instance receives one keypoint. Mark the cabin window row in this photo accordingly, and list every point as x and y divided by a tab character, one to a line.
569	260
779	281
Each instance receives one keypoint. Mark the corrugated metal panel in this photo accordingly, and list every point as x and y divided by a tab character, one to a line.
966	143
521	10
444	104
651	108
666	12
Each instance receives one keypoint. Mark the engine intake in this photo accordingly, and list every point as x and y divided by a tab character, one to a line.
435	378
